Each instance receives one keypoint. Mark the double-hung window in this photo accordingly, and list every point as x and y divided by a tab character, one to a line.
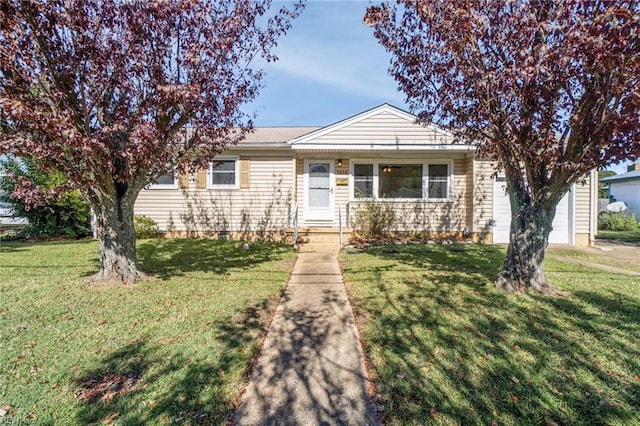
402	181
223	173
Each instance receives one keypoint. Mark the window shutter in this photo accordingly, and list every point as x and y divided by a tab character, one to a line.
201	182
183	179
245	172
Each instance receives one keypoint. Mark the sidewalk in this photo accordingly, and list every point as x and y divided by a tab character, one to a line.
310	370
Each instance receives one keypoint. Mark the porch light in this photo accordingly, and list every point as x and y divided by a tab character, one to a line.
386	169
339	162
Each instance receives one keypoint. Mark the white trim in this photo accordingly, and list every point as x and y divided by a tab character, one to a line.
310	218
386	108
572	215
344	147
174	185
425	180
236	184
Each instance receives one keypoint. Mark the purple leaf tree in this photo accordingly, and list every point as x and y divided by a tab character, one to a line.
548	90
105	91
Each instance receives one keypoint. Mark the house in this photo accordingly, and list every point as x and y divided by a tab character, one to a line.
9	220
626	187
282	180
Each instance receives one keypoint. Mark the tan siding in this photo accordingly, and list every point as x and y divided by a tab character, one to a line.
432	217
341	194
468	202
583	206
384	127
482	197
300	189
265	206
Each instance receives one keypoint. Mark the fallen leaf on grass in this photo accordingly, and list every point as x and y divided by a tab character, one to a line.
110	418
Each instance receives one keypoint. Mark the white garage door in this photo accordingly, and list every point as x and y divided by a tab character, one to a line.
502	216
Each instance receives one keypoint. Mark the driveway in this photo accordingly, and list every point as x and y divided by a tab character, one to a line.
611	256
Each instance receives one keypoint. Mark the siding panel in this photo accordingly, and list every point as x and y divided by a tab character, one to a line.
264	206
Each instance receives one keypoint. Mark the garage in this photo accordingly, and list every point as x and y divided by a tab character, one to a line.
561	233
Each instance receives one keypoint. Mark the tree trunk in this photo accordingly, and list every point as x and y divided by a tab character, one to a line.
118	265
529	237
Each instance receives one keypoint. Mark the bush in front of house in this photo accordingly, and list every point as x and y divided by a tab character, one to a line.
145	227
616	221
67	215
375	220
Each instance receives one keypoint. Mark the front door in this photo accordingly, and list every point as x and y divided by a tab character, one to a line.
319	205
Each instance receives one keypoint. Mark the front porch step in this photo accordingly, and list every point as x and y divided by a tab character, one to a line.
319	248
321	239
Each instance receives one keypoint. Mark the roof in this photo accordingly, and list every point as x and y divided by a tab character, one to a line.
384	127
633	175
275	134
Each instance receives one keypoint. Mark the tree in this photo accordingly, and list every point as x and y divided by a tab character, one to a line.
65	214
547	89
113	94
603	188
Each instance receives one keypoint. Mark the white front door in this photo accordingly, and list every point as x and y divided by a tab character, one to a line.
319	192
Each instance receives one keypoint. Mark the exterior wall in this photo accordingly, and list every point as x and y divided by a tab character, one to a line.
582	207
382	128
341	192
629	192
431	217
482	224
263	210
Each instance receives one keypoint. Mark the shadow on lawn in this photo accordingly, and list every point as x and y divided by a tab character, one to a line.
150	383
171	257
455	348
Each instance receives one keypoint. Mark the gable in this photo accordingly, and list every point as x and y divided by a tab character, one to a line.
382	128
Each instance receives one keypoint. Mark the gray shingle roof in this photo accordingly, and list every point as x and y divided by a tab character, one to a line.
633	175
276	134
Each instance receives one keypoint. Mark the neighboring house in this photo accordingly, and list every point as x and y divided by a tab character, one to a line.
626	187
316	178
8	217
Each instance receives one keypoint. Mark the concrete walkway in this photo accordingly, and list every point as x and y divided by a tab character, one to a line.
310	370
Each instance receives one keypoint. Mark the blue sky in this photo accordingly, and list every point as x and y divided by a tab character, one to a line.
330	67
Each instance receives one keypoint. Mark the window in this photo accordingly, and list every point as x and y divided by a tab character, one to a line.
223	173
166	181
400	181
438	187
363	181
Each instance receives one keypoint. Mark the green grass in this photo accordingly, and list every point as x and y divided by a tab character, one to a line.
593	258
445	347
174	350
624	236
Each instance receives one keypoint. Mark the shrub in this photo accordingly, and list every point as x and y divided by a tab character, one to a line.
68	215
613	221
375	220
145	227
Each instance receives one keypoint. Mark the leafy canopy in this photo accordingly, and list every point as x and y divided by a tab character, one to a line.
103	90
547	87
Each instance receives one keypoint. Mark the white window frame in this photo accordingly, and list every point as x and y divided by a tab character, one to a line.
425	175
236	184
174	185
425	180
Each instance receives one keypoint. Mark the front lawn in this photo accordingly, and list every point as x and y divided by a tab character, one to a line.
620	236
174	350
445	347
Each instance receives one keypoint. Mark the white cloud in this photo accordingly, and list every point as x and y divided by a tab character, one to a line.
330	45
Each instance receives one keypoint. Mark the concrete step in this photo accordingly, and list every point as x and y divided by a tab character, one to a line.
319	247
